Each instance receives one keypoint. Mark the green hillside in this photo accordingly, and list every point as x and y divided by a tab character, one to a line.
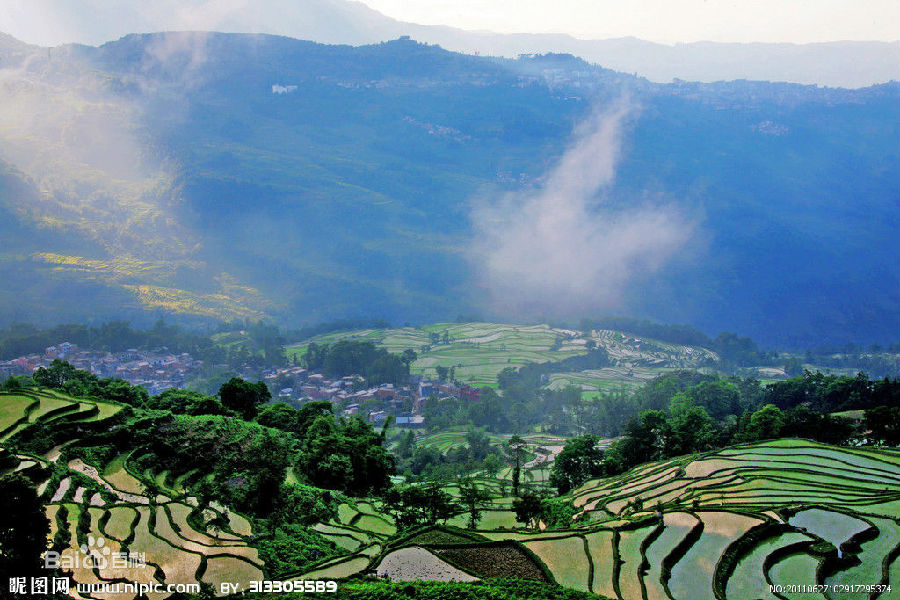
478	352
166	174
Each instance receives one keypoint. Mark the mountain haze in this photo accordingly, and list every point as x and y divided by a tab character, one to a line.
208	175
840	63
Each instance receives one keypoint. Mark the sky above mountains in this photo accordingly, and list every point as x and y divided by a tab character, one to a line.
664	21
54	22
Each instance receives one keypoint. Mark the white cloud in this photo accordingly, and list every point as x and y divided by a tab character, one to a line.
561	249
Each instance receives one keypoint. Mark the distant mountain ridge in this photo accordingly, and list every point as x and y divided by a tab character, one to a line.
247	176
838	64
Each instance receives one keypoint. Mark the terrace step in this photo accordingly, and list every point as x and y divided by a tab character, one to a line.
567	560
600	547
893	581
748	579
871	556
677	527
631	562
692	576
793	569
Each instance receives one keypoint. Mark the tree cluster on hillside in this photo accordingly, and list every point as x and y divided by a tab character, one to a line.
733	350
533	375
244	397
334	453
350	357
62	376
247	462
579	460
883	424
236	449
415	505
518	409
427	462
22	338
878	362
185	430
831	393
683	413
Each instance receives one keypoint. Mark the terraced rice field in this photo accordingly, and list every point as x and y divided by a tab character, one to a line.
116	474
748	577
541	450
339	569
19	410
601	548
677	527
13	407
566	559
635	361
156	529
833	527
720	525
449	439
50	404
748	477
793	569
870	556
692	576
490	519
608	378
234	570
478	351
631	569
726	525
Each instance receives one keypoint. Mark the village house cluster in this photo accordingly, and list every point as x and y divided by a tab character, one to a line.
351	397
159	370
155	370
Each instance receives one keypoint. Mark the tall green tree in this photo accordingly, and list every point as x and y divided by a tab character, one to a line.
408	357
645	438
407	445
54	376
720	398
578	461
479	444
691	429
244	397
345	455
473	498
765	424
414	505
884	424
529	509
491	465
515	449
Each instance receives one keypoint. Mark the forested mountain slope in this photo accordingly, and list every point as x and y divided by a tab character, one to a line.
221	176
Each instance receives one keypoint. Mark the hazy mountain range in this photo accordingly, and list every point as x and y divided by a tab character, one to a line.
226	176
845	64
